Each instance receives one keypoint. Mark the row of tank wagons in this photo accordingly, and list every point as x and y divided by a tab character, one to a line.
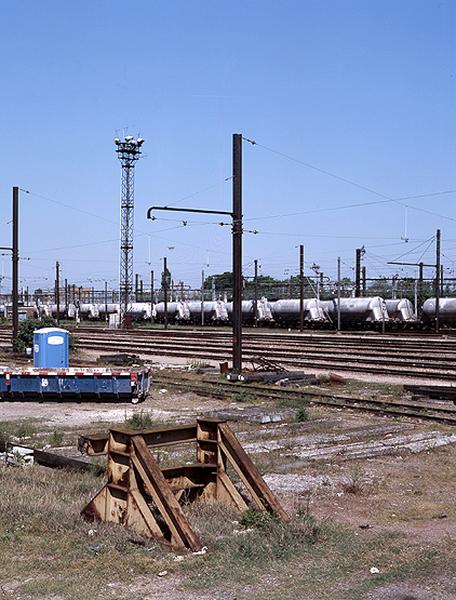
368	312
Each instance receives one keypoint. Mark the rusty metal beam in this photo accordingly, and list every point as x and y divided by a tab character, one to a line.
97	443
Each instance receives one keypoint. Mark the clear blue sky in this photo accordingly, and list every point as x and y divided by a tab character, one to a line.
363	89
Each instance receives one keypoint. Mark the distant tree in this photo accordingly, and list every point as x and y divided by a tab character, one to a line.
223	281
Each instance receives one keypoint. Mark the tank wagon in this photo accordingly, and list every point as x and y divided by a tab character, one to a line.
214	312
264	312
359	312
288	312
177	312
401	312
447	312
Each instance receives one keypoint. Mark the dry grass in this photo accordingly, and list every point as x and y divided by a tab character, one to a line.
47	550
46	545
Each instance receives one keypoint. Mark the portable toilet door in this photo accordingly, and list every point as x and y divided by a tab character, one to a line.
51	348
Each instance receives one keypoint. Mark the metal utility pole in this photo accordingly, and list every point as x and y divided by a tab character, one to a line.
128	152
363	276
237	253
420	291
136	287
165	291
338	293
141	290
151	296
15	262
57	290
301	287
202	297
255	291
358	273
437	280
442	283
66	297
236	215
106	300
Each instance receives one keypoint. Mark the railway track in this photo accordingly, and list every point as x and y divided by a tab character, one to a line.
415	358
431	411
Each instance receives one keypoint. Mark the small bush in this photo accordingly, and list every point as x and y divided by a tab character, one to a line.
140	420
256	519
302	415
25	332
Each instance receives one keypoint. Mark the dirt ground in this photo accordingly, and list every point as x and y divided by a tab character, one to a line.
384	489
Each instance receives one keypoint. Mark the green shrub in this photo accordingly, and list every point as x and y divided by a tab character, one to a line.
25	332
140	420
302	415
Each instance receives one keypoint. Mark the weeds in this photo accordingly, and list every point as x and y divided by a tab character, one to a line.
244	396
17	431
298	402
256	519
355	482
56	438
302	415
140	420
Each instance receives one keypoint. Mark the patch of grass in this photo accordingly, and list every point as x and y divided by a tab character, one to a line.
256	519
302	415
140	420
56	438
244	396
355	482
298	402
46	543
17	430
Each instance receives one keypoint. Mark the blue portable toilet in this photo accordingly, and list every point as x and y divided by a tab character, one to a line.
51	348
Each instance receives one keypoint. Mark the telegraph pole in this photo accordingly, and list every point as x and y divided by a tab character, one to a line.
237	253
358	273
420	290
106	300
57	290
301	287
15	262
363	275
136	287
202	297
437	280
151	296
165	290
236	216
338	294
66	297
255	297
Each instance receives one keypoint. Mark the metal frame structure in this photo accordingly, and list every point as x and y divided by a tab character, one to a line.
148	499
128	152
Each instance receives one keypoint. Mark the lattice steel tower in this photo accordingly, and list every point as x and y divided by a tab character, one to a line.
128	152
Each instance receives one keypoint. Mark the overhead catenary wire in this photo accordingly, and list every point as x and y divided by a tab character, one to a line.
360	186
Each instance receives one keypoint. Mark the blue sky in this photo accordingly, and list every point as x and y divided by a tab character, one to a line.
364	90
